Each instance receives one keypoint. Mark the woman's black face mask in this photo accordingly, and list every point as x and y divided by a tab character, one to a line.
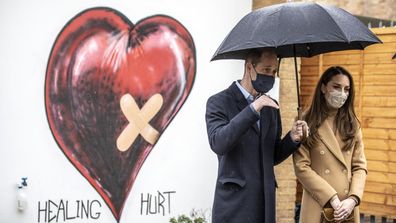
263	82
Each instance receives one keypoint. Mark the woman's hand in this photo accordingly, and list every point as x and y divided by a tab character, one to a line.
335	202
344	210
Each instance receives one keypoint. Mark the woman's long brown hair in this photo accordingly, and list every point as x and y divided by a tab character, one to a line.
347	123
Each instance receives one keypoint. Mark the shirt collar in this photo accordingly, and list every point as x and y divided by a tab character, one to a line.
245	93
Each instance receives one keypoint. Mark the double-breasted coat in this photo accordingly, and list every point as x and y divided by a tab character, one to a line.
326	170
245	187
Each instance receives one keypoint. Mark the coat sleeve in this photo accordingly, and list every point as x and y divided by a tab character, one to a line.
283	147
313	183
223	132
359	169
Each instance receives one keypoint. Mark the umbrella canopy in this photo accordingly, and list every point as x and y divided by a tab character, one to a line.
296	29
309	27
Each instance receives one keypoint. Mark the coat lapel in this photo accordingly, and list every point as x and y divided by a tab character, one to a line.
241	101
330	141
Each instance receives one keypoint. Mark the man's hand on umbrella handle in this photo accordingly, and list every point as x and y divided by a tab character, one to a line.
299	129
262	101
305	129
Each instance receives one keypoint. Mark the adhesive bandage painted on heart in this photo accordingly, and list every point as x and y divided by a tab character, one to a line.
138	120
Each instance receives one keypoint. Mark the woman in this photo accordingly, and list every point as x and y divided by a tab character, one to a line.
330	164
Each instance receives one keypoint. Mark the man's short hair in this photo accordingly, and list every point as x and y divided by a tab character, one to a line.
254	55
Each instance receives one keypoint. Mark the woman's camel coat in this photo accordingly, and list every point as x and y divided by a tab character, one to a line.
326	170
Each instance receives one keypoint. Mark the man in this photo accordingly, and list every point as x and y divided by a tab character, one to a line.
247	149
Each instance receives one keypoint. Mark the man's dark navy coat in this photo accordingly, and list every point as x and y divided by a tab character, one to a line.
245	188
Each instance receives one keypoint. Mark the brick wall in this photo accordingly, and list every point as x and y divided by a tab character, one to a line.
286	193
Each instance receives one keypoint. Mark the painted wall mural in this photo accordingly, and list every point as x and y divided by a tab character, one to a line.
111	89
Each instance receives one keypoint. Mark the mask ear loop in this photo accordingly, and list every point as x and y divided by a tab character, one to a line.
277	70
340	72
250	76
259	94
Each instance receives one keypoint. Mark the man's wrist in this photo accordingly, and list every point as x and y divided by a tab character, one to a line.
254	110
292	138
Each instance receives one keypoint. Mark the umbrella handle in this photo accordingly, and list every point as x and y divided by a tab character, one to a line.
299	113
305	130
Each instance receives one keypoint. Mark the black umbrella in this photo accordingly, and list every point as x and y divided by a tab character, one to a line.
394	56
296	29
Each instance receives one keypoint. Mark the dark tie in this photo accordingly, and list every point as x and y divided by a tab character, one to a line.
250	99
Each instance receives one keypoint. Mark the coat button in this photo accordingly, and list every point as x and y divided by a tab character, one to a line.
348	152
344	171
322	152
327	171
346	191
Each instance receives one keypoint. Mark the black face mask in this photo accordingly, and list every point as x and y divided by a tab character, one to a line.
263	82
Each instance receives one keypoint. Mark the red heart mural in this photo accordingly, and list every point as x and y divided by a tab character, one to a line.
101	71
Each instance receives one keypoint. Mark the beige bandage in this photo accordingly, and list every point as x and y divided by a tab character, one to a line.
138	120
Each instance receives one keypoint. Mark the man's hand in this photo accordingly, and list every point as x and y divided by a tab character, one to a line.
345	209
296	132
262	101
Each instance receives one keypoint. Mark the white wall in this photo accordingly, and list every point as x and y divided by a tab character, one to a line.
181	161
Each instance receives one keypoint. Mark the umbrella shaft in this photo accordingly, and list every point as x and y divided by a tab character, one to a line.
297	82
